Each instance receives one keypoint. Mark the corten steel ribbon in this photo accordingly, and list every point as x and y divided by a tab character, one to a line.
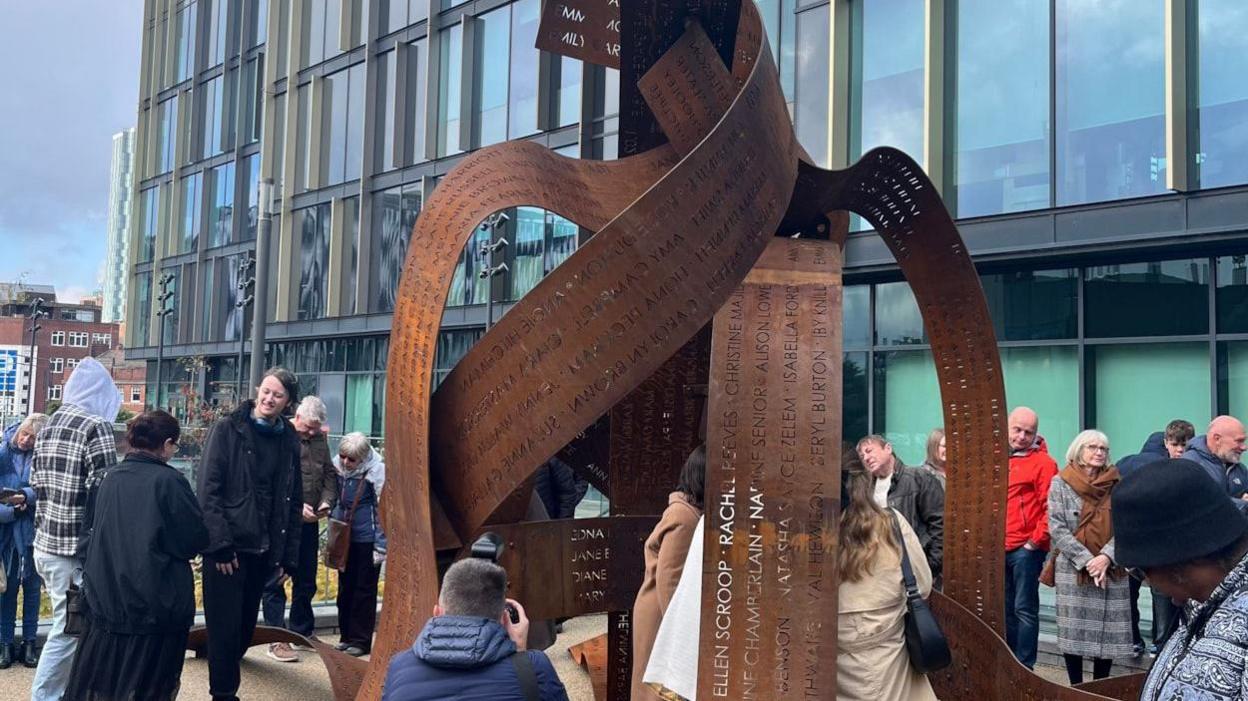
678	228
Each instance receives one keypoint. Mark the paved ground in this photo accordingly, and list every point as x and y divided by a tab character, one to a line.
307	680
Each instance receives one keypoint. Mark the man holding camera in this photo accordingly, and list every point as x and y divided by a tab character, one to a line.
474	646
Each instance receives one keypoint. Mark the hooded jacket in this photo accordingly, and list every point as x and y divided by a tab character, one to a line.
1232	478
465	658
230	502
1027	496
71	454
17	526
1154	449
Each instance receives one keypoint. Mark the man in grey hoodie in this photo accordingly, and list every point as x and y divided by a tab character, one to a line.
1219	451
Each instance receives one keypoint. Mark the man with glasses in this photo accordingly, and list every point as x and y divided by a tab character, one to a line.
320	493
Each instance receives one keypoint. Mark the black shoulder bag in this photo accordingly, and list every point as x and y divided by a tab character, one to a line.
526	675
925	642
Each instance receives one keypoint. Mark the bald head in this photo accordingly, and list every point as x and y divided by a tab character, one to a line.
1023	427
1225	438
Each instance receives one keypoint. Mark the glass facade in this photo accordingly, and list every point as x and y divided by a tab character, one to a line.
1222	98
314	229
1110	98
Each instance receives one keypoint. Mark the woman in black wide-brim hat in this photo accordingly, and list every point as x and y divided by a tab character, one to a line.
1179	532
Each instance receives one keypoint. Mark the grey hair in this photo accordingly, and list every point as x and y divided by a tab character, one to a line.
34	423
1081	441
355	446
474	587
312	409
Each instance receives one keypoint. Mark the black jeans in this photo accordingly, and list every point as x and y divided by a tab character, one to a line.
231	603
357	597
1165	618
302	587
1136	638
1074	668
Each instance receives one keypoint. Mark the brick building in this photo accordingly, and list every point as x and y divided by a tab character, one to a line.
68	334
130	376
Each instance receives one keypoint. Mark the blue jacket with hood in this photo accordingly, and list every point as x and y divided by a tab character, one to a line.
1153	450
1233	478
17	526
465	658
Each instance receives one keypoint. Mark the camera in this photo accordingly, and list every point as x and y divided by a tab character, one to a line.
490	547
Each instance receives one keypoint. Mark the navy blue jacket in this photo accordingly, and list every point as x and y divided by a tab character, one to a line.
464	658
1154	449
1233	478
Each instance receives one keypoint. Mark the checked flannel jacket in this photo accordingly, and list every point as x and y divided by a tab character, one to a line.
71	453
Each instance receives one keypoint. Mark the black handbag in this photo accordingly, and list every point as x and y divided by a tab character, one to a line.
75	610
925	641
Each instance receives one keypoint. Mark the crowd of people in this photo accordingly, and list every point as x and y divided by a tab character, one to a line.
114	543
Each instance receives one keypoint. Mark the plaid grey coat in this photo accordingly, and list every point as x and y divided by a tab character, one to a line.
71	453
1091	622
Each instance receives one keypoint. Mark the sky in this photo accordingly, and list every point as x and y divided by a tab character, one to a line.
70	80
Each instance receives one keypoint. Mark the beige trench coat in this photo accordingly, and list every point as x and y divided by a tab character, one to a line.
871	660
665	553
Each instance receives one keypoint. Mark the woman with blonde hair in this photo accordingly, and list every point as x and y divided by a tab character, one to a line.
871	659
934	465
1093	594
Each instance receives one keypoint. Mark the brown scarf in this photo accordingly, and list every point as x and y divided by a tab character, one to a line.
1095	527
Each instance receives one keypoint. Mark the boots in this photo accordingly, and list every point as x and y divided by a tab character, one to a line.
30	656
6	656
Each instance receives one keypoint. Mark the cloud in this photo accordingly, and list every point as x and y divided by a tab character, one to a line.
61	109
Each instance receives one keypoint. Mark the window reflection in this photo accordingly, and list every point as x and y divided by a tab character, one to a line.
1128	300
1003	69
313	261
897	318
394	213
887	80
1110	98
192	212
490	81
1223	48
522	102
449	79
221	206
810	117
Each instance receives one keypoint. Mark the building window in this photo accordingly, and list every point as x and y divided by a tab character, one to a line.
522	88
414	109
219	29
258	23
218	106
192	212
452	346
342	134
451	74
1110	98
569	91
490	80
810	104
397	14
142	307
186	40
253	98
251	183
54	392
78	339
1223	93
1122	301
167	117
1002	165
351	261
71	363
58	338
394	215
147	224
221	206
314	227
56	365
136	394
102	339
320	30
887	76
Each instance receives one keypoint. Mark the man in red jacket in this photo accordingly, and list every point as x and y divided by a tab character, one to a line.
1026	532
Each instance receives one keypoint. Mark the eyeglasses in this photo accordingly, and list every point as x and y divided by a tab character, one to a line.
1098	448
346	457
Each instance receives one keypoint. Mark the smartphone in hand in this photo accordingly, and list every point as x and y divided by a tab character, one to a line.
6	494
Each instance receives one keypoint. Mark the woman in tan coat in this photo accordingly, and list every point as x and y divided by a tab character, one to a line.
871	660
666	549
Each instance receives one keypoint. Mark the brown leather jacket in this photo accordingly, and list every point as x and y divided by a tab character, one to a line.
320	480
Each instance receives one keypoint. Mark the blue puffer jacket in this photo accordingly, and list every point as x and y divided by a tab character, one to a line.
17	526
1232	478
1154	449
464	658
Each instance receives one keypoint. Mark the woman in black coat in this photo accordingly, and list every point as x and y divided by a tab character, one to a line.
146	526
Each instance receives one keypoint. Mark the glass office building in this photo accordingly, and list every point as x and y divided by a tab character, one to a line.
1094	154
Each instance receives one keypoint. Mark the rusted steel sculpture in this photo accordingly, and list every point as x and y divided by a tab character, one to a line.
686	233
